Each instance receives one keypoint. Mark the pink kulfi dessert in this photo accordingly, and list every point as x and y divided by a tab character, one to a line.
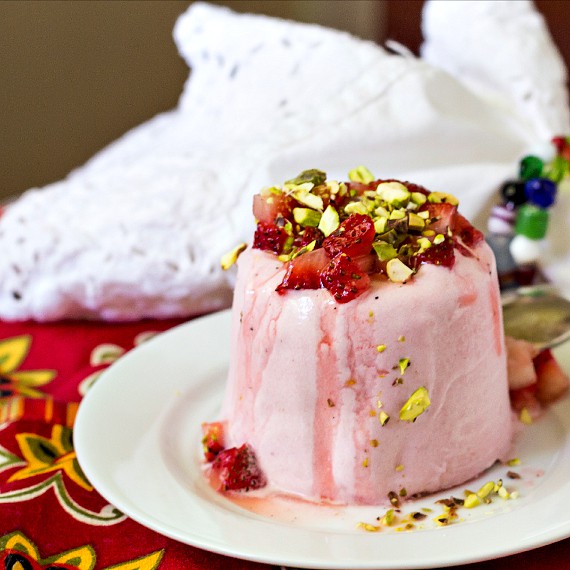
367	358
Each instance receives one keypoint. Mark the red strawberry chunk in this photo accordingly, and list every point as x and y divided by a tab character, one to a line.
344	278
438	254
270	237
354	237
466	232
304	272
237	469
441	216
552	382
213	440
268	208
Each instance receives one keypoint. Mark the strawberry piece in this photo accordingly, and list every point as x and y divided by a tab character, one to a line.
237	469
308	235
269	207
344	278
213	440
441	216
520	367
552	382
270	237
304	272
353	237
466	232
440	254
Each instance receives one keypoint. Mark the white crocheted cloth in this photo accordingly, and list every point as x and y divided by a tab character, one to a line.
138	231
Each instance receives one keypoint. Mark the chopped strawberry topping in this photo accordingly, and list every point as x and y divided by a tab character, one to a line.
237	469
270	237
213	440
344	278
268	208
468	234
441	216
552	381
304	272
354	237
438	254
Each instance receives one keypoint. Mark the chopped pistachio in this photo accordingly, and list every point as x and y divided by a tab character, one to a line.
403	363
383	417
230	258
401	338
398	214
394	193
424	244
381	348
472	500
418	198
381	211
372	413
428	233
350	382
525	417
380	224
313	175
306	248
361	174
439	197
486	490
416	405
415	222
384	251
374	442
329	221
368	527
514	461
439	238
303	195
389	518
306	217
399	467
365	462
424	214
503	493
397	271
356	208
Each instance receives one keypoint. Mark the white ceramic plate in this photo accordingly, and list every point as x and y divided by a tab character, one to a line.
137	438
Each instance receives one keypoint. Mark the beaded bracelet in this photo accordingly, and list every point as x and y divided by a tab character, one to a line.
517	226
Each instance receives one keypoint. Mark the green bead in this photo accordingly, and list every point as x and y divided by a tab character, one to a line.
531	222
531	167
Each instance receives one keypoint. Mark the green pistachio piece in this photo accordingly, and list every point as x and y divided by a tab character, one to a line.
304	197
416	222
361	174
418	198
403	363
439	238
329	221
306	217
416	405
230	258
440	197
398	215
356	208
380	224
424	243
314	176
397	271
394	193
384	251
381	211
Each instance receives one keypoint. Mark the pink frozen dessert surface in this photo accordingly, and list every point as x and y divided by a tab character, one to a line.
316	387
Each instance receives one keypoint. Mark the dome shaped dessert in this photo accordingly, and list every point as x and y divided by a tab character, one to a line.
368	358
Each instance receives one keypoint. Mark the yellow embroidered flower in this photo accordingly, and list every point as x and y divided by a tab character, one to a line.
48	455
13	352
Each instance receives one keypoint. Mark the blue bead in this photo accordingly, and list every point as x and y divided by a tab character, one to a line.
541	192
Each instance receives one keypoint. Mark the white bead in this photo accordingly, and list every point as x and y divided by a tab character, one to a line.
525	250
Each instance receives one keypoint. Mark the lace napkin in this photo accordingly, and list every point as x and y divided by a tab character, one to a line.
138	230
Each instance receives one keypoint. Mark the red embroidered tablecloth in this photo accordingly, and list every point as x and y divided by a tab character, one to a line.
50	515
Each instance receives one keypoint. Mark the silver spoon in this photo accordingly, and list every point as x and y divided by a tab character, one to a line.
538	314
